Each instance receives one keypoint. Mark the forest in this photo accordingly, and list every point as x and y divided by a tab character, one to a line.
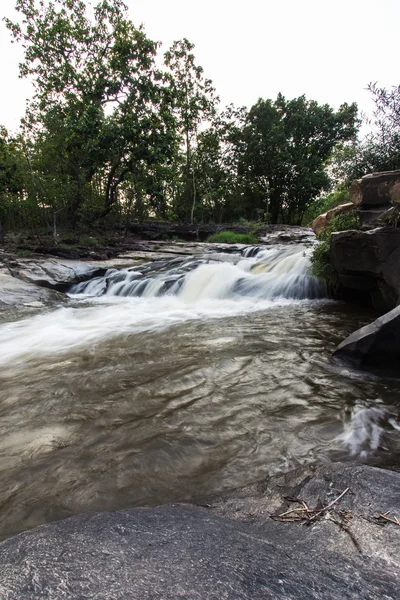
119	132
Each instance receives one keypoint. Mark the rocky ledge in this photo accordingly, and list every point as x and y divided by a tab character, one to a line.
334	535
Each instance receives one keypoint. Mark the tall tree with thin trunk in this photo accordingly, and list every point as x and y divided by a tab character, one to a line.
195	103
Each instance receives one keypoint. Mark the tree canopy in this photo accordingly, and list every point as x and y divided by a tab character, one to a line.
112	134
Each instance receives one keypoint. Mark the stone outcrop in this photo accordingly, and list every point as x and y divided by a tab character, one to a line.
376	344
17	293
368	261
53	273
320	223
376	189
232	549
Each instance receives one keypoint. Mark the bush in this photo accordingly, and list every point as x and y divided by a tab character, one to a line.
229	237
321	257
325	203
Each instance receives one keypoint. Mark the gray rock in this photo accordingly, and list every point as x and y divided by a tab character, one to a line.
368	260
185	552
54	273
375	344
376	189
17	293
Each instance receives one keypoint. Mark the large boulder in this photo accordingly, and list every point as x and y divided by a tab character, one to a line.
231	550
369	261
376	189
376	344
321	222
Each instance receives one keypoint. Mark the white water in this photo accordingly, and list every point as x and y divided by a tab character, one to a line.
127	302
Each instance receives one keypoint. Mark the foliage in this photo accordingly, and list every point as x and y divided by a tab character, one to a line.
321	256
321	205
229	237
194	102
380	149
112	136
100	105
286	144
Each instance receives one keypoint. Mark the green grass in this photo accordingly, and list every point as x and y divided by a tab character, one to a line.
229	237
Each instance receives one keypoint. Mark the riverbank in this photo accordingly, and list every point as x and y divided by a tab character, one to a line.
329	532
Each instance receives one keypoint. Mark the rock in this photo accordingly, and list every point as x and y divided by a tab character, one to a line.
54	273
368	260
372	218
232	550
14	293
320	223
376	344
376	189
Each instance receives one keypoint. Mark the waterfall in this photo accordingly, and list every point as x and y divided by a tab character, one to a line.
155	296
260	273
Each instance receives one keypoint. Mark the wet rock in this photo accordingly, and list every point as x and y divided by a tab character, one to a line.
53	273
320	223
232	550
368	261
376	344
14	292
376	189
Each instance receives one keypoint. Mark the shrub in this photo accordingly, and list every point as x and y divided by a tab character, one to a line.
321	257
229	237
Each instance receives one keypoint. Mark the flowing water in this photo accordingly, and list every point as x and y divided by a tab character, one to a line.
174	380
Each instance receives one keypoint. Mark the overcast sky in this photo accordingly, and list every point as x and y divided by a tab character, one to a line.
327	50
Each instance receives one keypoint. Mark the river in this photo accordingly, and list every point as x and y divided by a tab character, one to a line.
175	380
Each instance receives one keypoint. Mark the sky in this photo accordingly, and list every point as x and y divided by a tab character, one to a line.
328	50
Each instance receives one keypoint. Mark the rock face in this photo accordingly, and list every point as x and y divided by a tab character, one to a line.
377	344
231	550
376	189
320	223
369	261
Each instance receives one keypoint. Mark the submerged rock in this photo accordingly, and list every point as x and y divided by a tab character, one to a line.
187	552
376	344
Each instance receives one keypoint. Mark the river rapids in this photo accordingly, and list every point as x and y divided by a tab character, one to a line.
178	379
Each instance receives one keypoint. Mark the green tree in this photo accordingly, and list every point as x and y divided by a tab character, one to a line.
195	103
100	101
380	148
11	178
286	146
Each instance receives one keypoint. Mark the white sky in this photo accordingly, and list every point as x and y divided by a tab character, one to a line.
327	50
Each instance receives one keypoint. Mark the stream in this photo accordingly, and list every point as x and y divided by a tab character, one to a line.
178	379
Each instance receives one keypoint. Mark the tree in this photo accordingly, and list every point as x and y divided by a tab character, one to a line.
380	149
100	101
286	146
194	103
11	176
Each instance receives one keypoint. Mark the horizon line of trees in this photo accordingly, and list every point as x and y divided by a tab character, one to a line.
111	137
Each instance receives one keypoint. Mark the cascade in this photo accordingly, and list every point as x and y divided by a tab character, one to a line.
260	273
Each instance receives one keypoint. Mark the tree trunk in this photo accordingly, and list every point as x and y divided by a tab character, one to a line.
194	200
